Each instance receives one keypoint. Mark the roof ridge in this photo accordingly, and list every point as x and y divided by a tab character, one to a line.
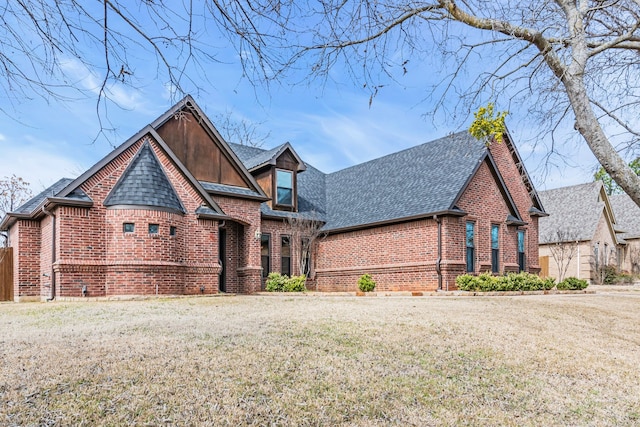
397	153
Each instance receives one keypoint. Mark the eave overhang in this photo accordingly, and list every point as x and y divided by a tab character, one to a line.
451	212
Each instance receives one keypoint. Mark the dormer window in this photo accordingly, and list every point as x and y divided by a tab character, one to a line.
284	187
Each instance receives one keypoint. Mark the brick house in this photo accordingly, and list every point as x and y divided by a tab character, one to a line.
597	229
581	228
178	210
628	232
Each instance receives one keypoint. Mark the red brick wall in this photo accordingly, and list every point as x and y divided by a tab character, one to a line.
399	257
276	230
514	182
403	256
243	248
485	206
24	237
94	251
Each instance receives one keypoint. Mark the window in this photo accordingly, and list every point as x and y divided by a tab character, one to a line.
596	249
285	255
470	247
305	244
284	188
521	258
128	227
172	230
606	254
620	256
153	228
265	253
495	248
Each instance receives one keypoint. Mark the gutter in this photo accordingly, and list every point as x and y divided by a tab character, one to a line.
439	259
53	252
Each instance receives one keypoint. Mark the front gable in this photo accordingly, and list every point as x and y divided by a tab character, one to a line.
271	166
486	185
201	149
123	178
486	197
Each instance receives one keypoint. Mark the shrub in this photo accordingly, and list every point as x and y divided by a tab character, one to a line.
465	282
609	274
366	283
572	283
296	284
623	279
486	282
277	282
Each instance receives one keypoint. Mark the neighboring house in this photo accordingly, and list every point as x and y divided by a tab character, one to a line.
177	210
579	235
628	222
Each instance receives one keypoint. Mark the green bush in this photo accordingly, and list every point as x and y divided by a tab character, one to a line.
486	282
609	274
277	282
366	283
296	284
572	283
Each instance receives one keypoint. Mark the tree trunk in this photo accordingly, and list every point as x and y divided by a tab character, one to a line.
589	127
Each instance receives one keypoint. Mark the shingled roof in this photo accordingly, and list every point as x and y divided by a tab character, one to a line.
144	183
417	182
574	212
52	194
421	180
627	215
311	185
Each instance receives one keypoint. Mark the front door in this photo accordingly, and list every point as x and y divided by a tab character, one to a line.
222	254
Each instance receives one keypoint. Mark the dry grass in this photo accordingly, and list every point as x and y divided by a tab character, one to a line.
280	360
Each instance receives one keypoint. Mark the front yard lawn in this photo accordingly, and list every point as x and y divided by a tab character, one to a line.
313	360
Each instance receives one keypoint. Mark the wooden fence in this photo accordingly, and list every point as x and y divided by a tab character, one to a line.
6	274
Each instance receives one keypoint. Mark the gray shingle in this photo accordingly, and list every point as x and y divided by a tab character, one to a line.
261	158
574	211
230	189
144	183
627	215
417	181
246	152
36	200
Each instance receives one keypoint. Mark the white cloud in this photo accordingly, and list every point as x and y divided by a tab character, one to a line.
124	97
40	164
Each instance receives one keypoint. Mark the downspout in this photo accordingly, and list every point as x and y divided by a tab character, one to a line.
53	252
439	259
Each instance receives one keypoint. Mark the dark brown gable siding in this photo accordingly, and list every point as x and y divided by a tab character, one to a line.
265	180
287	161
198	152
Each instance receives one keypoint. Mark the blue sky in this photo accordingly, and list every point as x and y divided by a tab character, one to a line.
330	124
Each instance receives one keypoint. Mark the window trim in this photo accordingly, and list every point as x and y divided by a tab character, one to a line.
495	249
470	252
293	192
522	258
265	271
282	258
